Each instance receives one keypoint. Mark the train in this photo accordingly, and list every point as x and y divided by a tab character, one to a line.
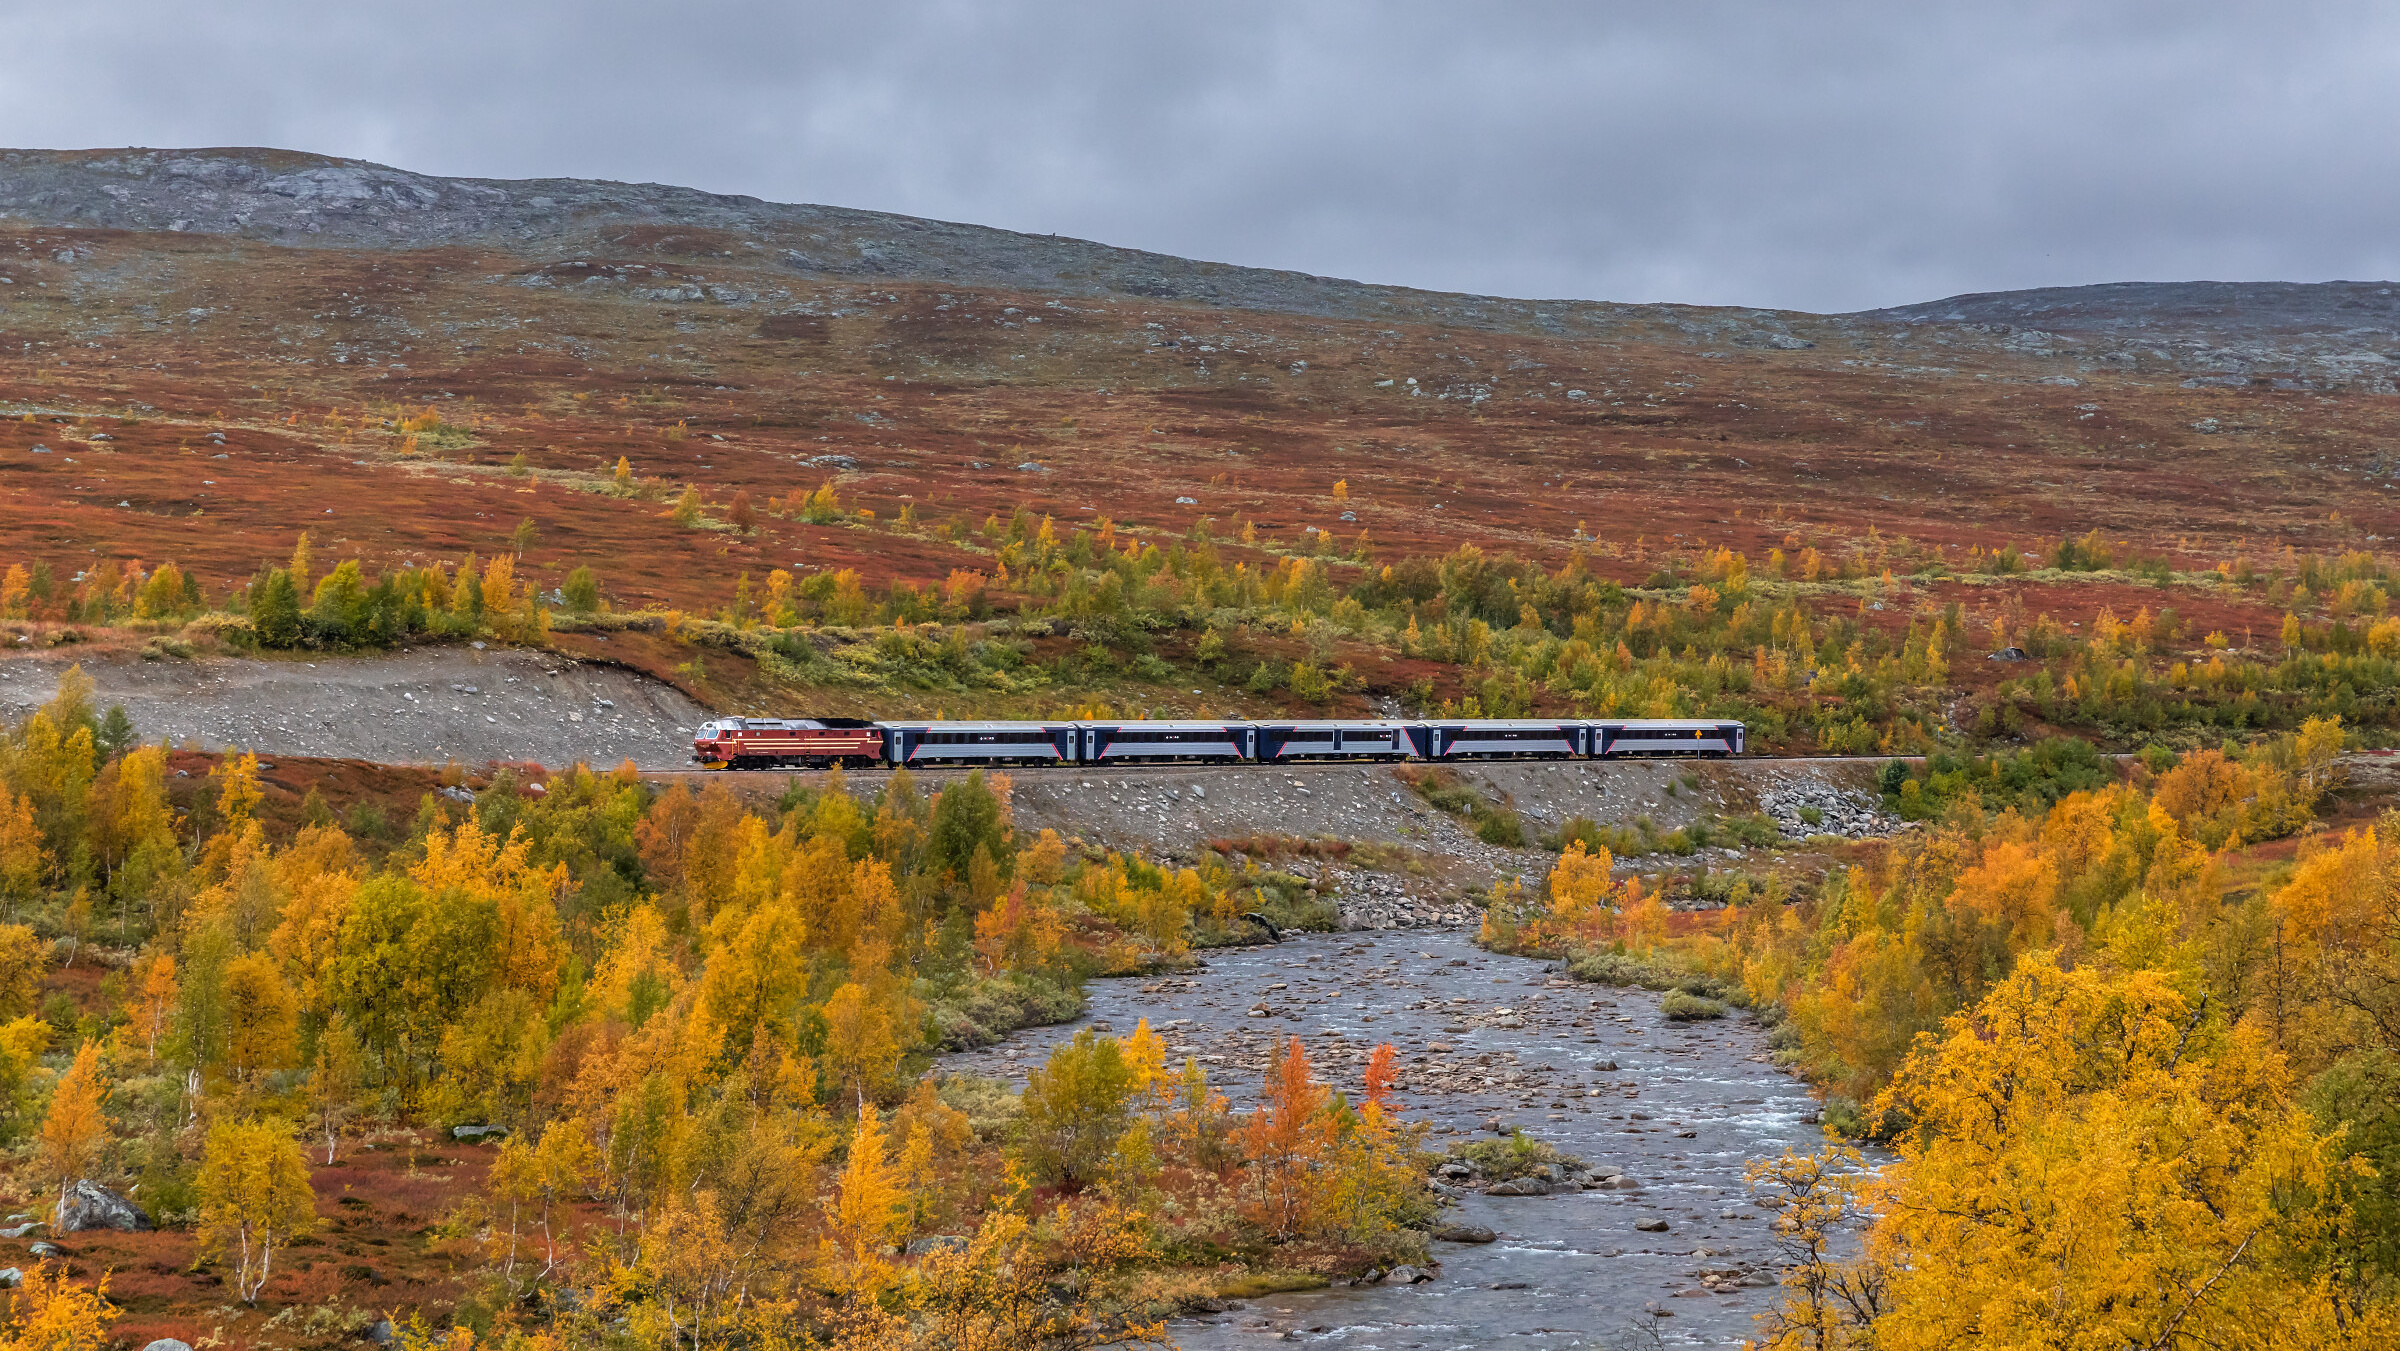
820	743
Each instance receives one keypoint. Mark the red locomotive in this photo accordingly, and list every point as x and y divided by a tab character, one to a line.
809	743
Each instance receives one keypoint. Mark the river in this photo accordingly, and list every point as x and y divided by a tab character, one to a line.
1685	1108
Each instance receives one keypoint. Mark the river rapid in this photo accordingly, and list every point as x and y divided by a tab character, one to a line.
1482	1036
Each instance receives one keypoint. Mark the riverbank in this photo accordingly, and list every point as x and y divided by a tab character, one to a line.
1596	1071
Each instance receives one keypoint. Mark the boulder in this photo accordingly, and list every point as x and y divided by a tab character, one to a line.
47	1250
88	1205
10	1277
1652	1226
476	1132
1407	1275
1465	1233
933	1243
168	1344
20	1230
382	1333
1519	1186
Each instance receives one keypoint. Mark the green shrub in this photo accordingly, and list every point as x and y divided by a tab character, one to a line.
582	591
1260	1284
1617	968
1516	1155
1075	1106
1500	827
1723	991
1736	887
991	1009
992	1105
1681	1007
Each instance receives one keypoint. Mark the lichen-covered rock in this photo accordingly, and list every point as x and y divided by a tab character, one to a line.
88	1205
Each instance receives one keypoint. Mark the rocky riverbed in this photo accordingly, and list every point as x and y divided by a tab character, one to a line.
1660	1236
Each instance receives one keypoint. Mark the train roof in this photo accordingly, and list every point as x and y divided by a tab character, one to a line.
1154	724
789	724
1503	724
949	725
1212	724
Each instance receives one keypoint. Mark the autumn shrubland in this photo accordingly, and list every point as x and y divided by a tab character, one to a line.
610	1065
1084	622
2130	1050
804	493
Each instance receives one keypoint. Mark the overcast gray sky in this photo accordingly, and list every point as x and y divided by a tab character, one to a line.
1815	155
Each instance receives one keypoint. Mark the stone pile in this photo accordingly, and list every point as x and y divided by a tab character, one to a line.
1548	1179
1373	901
1838	811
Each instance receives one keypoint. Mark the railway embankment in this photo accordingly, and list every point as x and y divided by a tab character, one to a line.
1392	847
1393	850
473	704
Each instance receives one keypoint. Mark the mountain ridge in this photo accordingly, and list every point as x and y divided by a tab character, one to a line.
305	199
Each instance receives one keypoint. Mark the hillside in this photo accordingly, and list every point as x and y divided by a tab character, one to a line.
211	351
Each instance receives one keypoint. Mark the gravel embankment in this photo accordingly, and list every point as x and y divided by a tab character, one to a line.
426	706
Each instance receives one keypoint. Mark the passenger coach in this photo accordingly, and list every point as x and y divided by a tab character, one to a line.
1331	740
1171	742
980	743
1492	739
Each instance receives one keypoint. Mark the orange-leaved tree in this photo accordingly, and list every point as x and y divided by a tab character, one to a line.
75	1133
1284	1138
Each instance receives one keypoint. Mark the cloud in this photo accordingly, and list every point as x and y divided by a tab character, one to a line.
1824	156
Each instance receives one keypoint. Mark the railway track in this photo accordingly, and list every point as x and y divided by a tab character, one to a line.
1037	772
